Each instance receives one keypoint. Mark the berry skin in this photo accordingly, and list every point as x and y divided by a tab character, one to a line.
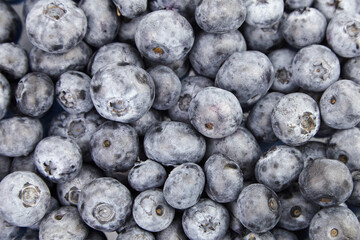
164	36
224	179
114	146
315	68
63	223
56	27
259	208
247	84
295	118
304	27
73	92
35	94
215	113
326	182
122	92
338	105
19	136
210	50
341	147
105	204
184	185
334	223
342	34
58	158
4	95
206	220
25	198
216	16
280	166
172	143
151	212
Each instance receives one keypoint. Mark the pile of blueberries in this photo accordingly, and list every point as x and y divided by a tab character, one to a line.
191	119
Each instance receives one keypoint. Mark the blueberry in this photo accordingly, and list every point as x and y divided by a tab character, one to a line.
342	34
303	27
114	146
338	105
296	212
63	223
257	236
190	86
186	7
281	60
122	93
215	113
105	204
263	39
205	220
259	208
146	175
79	127
35	94
278	167
295	4
216	16
23	163
224	179
167	87
247	84
263	13
326	182
69	191
282	234
184	186
164	36
173	231
131	8
5	166
149	119
259	119
342	146
312	150
73	92
151	212
102	22
295	119
113	53
56	27
56	64
315	68
354	199
10	24
334	223
58	158
14	62
333	7
241	147
351	68
210	50
135	233
24	199
8	231
173	143
4	95
19	136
